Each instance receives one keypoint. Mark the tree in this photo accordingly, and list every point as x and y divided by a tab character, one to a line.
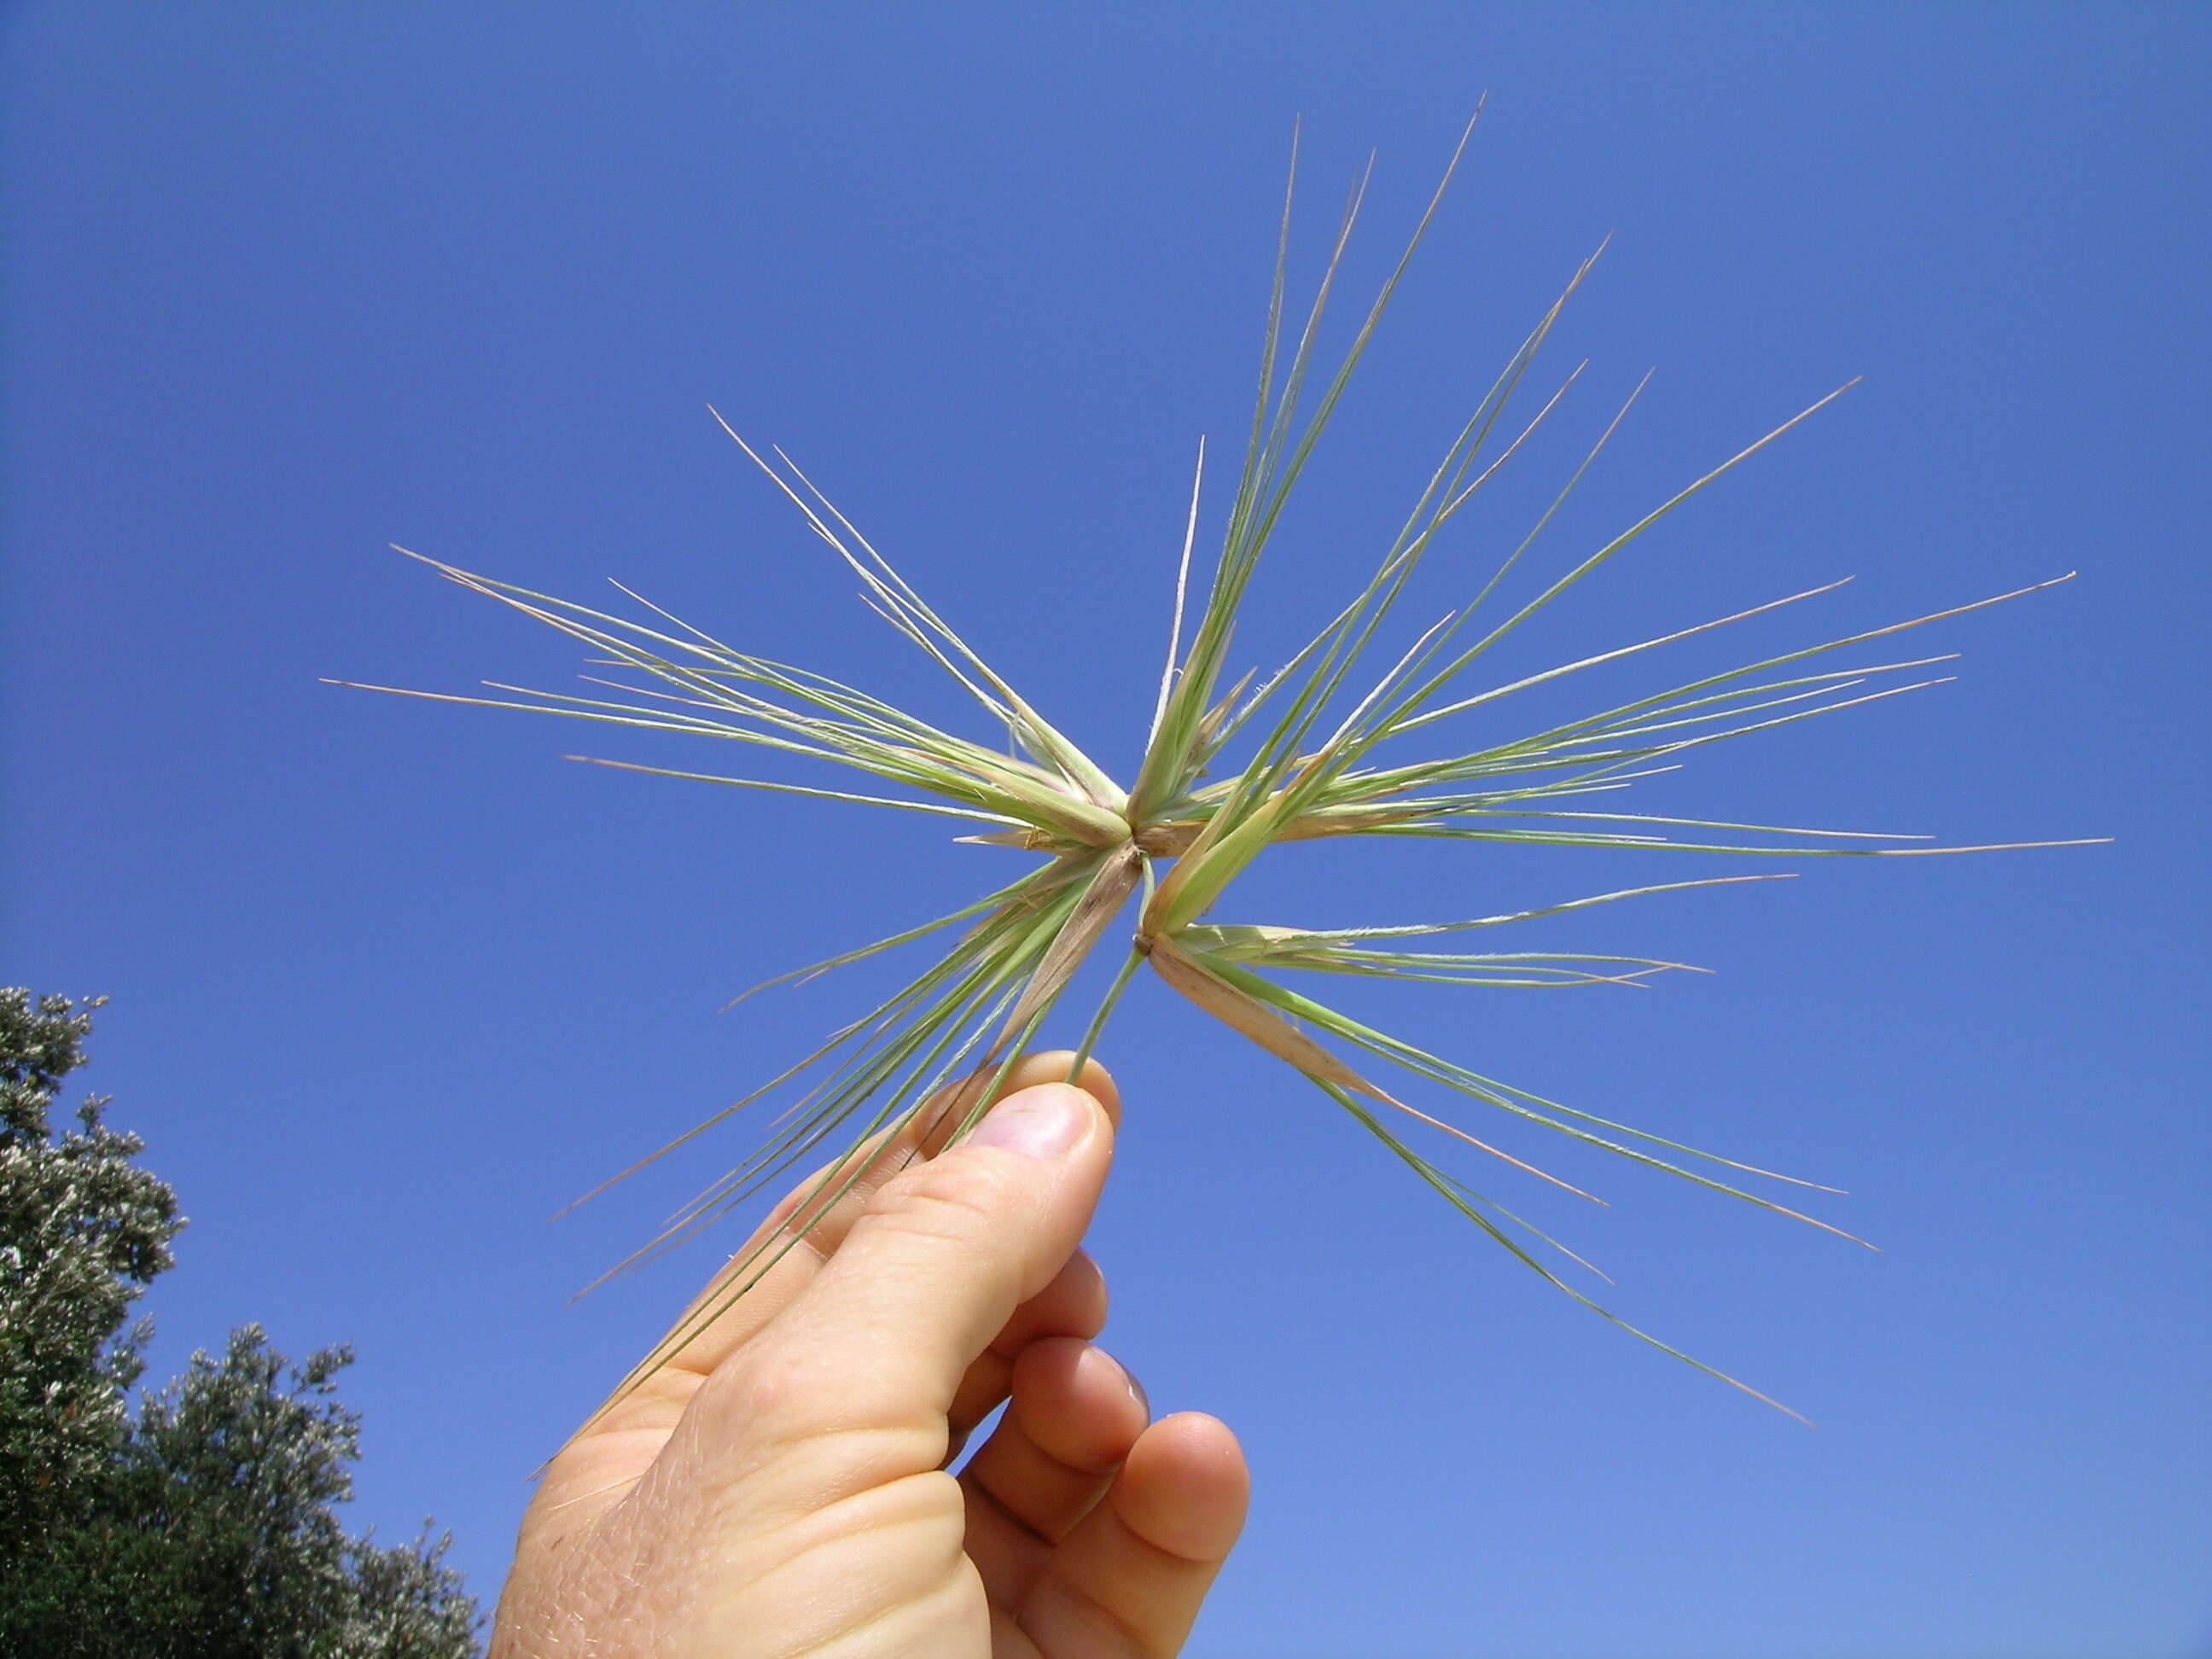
201	1525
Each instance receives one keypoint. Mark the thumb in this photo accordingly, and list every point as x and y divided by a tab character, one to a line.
931	1270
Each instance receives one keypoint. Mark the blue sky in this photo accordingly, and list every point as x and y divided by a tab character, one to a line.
391	982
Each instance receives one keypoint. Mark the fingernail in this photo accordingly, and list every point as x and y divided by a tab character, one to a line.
1137	1392
1040	1122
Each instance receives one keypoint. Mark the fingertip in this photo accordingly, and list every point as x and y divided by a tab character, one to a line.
1051	1065
1198	1438
1074	1305
1185	1487
1076	1403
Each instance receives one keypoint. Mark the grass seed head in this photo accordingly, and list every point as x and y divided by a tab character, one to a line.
1311	739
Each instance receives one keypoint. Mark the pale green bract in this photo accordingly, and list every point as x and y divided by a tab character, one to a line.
1314	772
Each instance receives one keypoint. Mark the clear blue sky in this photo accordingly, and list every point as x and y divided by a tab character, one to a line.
285	282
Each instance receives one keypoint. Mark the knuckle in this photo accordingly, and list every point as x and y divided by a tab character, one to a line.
952	1201
777	1378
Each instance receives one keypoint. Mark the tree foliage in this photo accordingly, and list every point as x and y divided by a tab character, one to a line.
201	1525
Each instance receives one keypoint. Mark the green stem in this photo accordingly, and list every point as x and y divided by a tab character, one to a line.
1138	949
1105	1007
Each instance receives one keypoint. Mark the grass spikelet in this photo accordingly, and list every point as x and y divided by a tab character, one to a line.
1324	748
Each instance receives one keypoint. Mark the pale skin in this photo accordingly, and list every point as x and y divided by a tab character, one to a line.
780	1488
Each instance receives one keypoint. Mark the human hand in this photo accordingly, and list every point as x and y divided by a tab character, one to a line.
779	1488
